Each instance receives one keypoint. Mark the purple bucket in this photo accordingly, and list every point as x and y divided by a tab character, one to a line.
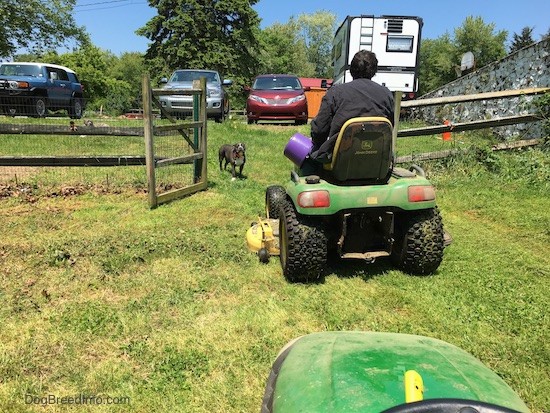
297	149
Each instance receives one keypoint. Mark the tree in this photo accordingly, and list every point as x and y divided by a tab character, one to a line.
519	41
437	63
283	50
129	68
318	31
440	58
302	46
37	25
204	34
480	38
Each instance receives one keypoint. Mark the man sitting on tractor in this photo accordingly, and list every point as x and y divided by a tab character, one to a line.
360	97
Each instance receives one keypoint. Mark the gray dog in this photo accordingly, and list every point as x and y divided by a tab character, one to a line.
234	155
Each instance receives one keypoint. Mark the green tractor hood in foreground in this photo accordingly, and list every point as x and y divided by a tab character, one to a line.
364	372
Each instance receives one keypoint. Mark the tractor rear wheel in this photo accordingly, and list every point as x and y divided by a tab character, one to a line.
303	245
419	243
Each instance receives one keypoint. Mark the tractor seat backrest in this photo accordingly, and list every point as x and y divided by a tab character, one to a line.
362	152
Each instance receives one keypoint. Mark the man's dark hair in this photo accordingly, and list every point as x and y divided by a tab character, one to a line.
363	65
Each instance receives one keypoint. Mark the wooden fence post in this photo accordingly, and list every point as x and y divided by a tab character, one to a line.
203	118
396	114
149	144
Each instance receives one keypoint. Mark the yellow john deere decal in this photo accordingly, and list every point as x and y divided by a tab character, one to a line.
366	145
366	148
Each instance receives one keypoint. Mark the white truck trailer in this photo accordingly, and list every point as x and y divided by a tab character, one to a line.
394	39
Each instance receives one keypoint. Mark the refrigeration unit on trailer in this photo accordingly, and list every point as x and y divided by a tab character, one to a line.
394	39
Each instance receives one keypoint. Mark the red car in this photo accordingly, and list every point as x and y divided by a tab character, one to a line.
277	97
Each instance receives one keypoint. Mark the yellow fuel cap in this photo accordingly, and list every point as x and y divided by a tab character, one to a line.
414	387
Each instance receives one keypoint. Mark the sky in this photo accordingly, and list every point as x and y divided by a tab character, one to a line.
112	23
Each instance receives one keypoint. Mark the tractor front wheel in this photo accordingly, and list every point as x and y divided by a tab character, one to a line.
419	243
275	197
303	246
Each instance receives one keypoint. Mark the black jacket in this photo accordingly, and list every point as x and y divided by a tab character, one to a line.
360	97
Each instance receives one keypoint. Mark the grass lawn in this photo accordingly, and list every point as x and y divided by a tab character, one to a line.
167	309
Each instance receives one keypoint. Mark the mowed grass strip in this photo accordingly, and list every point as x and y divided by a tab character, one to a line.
104	297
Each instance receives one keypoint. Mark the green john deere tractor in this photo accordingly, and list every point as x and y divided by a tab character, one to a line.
373	372
359	206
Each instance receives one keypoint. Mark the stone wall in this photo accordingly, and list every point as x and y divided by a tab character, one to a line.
526	68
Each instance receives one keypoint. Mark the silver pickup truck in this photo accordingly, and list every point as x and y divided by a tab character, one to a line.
217	102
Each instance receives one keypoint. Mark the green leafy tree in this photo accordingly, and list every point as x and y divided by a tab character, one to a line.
37	25
519	41
301	46
437	63
129	68
480	38
317	30
204	34
440	58
283	50
120	98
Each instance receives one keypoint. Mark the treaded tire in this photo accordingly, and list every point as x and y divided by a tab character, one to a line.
419	244
39	107
303	246
275	197
75	110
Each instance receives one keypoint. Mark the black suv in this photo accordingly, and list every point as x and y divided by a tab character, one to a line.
33	88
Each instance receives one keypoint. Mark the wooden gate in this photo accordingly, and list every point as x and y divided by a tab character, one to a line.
195	141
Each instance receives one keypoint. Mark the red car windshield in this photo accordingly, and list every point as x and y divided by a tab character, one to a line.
277	83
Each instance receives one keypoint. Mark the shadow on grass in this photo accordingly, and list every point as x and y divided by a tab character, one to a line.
349	268
357	268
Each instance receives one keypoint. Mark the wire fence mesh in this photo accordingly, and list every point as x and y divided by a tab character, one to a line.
60	139
169	145
95	137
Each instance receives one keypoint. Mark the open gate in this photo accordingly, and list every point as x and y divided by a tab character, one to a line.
171	143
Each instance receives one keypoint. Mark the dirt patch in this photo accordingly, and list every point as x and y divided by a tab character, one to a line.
17	174
31	193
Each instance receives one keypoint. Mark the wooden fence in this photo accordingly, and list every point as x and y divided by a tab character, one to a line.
197	142
197	139
472	125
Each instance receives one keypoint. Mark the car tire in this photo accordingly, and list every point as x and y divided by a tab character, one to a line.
75	110
303	246
11	111
38	107
419	244
275	197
